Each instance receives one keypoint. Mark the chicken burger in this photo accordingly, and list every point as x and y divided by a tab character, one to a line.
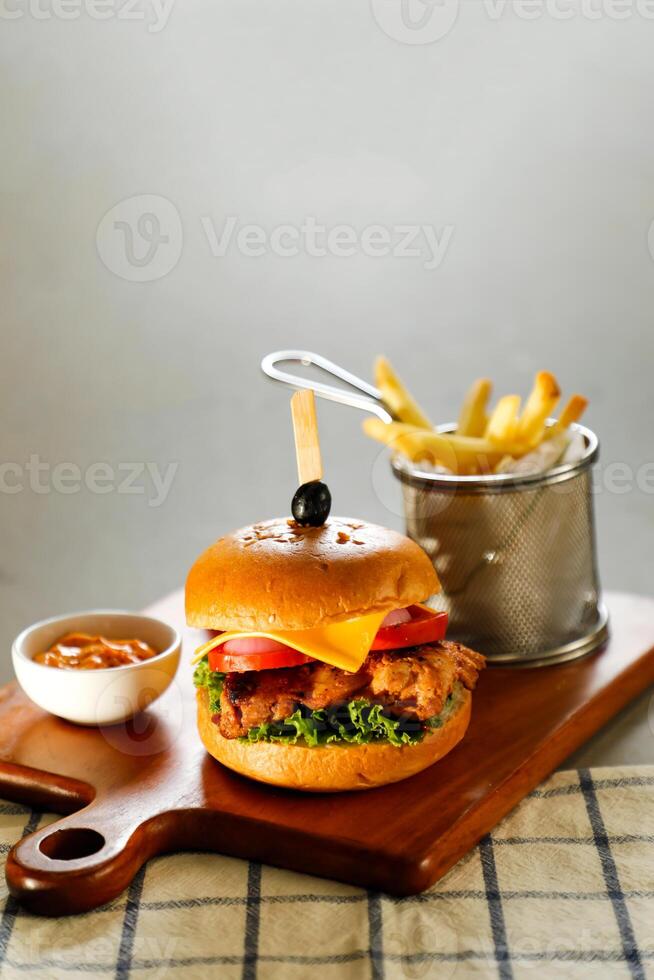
325	670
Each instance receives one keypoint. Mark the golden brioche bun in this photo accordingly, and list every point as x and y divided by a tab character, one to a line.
331	768
277	575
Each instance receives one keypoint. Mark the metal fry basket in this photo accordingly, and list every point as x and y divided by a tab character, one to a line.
516	556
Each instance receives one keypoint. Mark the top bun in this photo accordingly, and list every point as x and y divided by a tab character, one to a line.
279	576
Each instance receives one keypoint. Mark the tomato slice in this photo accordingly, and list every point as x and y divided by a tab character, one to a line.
425	626
254	653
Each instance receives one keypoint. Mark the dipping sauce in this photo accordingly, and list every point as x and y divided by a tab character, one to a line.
80	651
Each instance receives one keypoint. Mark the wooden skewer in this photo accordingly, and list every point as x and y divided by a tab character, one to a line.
305	430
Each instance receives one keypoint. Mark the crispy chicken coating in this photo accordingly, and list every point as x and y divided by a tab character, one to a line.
414	682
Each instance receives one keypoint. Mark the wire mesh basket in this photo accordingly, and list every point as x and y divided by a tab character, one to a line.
516	557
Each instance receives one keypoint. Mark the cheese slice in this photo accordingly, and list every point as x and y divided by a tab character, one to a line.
344	645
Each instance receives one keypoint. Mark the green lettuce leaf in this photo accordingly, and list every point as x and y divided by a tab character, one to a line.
356	723
213	680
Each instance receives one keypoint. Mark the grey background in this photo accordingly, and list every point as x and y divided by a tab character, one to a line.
532	139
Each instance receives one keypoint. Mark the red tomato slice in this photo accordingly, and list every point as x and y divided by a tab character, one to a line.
254	653
425	626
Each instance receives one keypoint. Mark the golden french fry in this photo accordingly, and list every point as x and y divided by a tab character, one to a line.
505	465
572	412
472	417
540	404
503	423
509	441
546	455
400	401
461	454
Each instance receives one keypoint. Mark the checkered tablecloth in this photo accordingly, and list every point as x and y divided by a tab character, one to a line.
563	887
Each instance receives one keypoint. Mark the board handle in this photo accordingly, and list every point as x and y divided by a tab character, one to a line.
43	790
83	860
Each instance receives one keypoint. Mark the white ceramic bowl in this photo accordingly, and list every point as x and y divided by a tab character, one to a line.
97	697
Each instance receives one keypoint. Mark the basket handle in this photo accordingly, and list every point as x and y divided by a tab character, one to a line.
369	401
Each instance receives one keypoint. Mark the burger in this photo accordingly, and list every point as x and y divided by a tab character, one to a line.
325	670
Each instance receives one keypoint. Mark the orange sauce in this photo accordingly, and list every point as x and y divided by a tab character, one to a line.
80	651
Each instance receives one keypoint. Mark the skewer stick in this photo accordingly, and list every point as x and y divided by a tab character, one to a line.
305	431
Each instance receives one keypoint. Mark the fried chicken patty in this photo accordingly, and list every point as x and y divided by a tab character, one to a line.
414	682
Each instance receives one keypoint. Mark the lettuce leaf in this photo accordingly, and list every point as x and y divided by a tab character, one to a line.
355	723
213	680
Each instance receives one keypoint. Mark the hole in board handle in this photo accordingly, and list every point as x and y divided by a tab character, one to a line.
67	845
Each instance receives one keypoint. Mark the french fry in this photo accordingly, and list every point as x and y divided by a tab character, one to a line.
472	417
572	412
461	454
540	404
509	441
505	465
503	423
400	401
547	454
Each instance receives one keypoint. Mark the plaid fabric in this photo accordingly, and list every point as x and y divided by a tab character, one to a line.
564	887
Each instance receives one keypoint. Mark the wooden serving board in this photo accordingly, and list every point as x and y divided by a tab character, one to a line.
135	790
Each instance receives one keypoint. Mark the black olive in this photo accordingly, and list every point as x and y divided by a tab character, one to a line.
312	503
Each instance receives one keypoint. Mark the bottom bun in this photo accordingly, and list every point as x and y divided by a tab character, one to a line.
331	768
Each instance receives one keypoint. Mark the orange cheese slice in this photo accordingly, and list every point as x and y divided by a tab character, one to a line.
344	645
